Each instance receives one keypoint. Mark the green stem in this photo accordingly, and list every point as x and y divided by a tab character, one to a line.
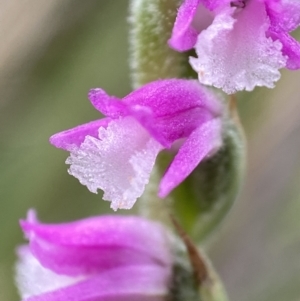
151	58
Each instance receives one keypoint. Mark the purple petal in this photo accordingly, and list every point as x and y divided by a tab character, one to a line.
290	14
172	96
75	136
171	109
193	17
176	127
284	14
97	243
108	105
285	17
184	36
157	106
204	141
290	48
214	4
147	283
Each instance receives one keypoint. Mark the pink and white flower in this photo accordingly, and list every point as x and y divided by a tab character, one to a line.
116	154
101	258
240	44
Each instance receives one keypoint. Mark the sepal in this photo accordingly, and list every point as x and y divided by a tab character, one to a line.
203	200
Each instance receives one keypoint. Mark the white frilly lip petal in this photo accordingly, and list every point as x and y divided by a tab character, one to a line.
119	162
235	54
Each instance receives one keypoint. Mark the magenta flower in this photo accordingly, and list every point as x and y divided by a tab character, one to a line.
95	259
240	44
117	153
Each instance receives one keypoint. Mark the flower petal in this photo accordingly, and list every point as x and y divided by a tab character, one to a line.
95	244
290	48
214	5
108	105
75	136
33	279
203	142
171	109
184	35
109	163
235	54
291	14
177	127
285	17
284	14
172	96
147	283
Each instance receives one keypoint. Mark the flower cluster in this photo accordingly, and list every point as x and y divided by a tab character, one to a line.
117	153
240	44
101	258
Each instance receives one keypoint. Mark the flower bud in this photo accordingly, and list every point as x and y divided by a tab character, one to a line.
101	258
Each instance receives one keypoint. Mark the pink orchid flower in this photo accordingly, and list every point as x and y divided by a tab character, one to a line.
240	44
96	259
117	153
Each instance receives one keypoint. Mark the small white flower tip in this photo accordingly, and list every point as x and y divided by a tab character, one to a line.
119	162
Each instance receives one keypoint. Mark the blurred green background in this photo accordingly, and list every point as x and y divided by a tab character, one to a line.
51	54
